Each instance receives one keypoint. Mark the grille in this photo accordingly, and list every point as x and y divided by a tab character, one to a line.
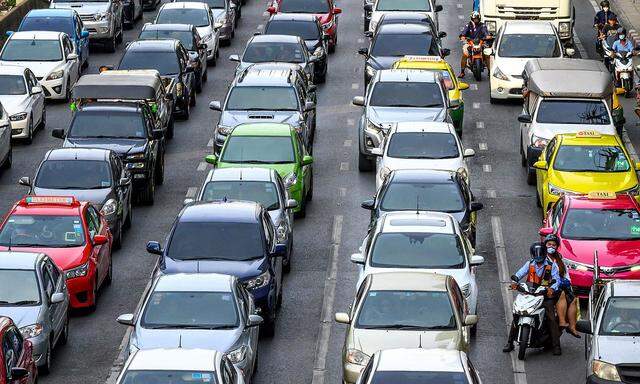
87	18
527	13
516	91
261	116
629	373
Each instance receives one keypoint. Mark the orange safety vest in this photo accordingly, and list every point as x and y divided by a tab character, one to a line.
536	280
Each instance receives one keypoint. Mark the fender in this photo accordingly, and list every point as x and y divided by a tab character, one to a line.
526	320
361	125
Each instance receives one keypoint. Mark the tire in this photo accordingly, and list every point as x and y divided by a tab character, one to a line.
310	192
46	367
170	128
365	164
531	175
109	279
477	69
269	328
29	138
94	305
474	330
9	160
160	171
120	36
147	195
199	84
302	213
43	119
63	339
524	340
129	220
523	160
332	48
192	99
117	239
110	46
186	111
286	267
538	202
205	76
321	79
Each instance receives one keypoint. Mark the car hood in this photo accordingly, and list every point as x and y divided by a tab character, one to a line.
370	341
97	197
399	114
585	182
512	66
65	258
219	340
548	131
84	8
14	103
240	269
382	62
39	68
234	118
282	169
204	31
120	146
616	349
437	164
21	316
611	253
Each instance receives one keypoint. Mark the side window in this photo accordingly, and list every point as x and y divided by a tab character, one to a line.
557	214
47	279
242	299
301	149
359	295
78	28
549	151
92	224
366	372
473	373
268	231
33	78
16	342
55	273
458	299
79	24
68	45
7	352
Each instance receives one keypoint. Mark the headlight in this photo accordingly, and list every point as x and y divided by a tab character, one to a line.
318	52
135	165
564	29
355	356
384	172
491	26
18	116
259	281
539	142
281	232
290	180
605	371
466	290
370	71
179	89
77	271
635	191
55	75
101	16
577	266
136	156
497	73
237	355
557	191
224	130
30	331
222	19
109	208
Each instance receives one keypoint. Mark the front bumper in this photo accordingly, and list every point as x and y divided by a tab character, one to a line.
99	29
593	379
54	89
351	372
506	89
20	129
81	290
581	281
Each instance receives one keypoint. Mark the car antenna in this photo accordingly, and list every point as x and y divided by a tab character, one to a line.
180	340
417	205
420	343
10	241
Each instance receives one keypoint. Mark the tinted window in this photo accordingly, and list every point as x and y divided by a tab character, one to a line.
401	44
19	287
194	16
164	62
32	50
621	317
406	94
12	85
590	158
528	45
57	24
211	240
74	174
44	231
262	99
211	3
417	250
423	146
206	310
258	149
394	377
108	124
440	197
572	112
263	192
268	52
601	224
405	5
307	30
169	377
185	37
304	6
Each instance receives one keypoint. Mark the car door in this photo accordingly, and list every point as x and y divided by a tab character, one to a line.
305	169
124	190
37	99
98	252
72	66
16	354
52	277
84	40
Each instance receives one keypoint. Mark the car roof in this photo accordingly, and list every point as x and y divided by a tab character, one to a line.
167	27
408	29
421	360
160	45
51	12
194	282
411	75
422	175
275	39
408	281
276	75
293	17
423	126
72	153
419	221
598	139
180	359
53	209
19	260
262	129
185	4
244	174
628	288
36	35
221	211
528	27
131	107
12	70
621	201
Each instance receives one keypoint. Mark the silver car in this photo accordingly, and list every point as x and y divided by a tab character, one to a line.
199	310
34	295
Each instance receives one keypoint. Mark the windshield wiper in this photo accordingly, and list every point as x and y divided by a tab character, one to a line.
18	303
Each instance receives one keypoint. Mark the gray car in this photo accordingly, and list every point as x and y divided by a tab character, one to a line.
200	310
225	14
89	174
33	293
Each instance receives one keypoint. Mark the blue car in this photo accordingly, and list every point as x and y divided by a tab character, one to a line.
60	20
230	237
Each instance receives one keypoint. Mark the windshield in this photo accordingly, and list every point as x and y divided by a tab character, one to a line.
406	310
164	62
185	37
423	146
206	310
406	94
194	16
439	197
528	45
74	174
304	6
263	192
404	5
307	30
417	250
262	99
19	287
590	158
402	44
573	112
600	224
418	377
621	317
31	50
210	3
57	24
168	377
42	231
258	150
216	241
263	52
107	124
12	85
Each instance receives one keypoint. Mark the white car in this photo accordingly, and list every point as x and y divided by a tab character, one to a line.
51	56
197	14
421	241
516	43
426	7
421	145
5	139
22	97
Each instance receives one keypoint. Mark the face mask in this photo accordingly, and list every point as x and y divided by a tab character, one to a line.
606	9
621	37
551	250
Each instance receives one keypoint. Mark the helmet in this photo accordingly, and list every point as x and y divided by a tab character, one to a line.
537	252
551	237
604	3
622	31
475	15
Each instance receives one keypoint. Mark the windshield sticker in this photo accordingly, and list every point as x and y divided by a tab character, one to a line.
70	237
635	230
201	377
105	183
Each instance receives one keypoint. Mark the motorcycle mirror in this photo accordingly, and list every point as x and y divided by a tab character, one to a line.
570	52
487	51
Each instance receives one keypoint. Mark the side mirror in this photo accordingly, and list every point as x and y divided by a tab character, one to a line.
442	35
368	204
487	51
368	34
309	106
376	151
187	201
470	320
342	318
525	118
545	231
211	159
541	164
154	247
72	56
584	326
337	11
254	320
58	133
25	181
476	260
570	52
271	10
125	181
357	258
446	52
126	319
637	166
363	51
307	160
56	298
469	152
368	7
358	101
18	373
84	33
475	206
215	106
35	90
291	203
235	58
100	240
438	8
280	250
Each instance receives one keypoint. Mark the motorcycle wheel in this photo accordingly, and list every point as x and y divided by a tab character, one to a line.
523	341
477	69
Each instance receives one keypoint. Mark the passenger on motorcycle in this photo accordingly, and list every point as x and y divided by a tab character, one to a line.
611	28
540	271
475	29
603	15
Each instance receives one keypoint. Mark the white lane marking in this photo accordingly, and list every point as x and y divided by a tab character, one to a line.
191	192
476	105
461	17
519	373
473	87
259	26
342	192
202	166
360	41
486	168
480	124
491	193
351	122
482	146
265	14
355	86
594	5
347	143
344	166
578	44
210	143
459	6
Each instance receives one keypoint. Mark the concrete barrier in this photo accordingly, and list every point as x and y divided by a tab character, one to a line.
11	20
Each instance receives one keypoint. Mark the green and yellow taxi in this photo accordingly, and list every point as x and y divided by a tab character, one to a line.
455	87
582	162
275	146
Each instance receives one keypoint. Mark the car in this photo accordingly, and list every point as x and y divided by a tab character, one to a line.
60	20
403	310
405	17
171	60
418	145
34	293
104	19
149	5
582	162
225	14
197	14
88	174
427	190
6	149
397	40
382	7
273	146
191	41
22	98
132	11
272	93
421	241
230	237
276	48
393	96
423	365
453	84
600	221
17	365
197	310
516	43
49	55
325	10
72	233
261	185
308	28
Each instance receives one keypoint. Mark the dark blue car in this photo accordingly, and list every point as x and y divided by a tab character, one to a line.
60	20
230	237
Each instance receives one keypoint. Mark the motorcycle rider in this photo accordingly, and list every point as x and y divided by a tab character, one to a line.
611	28
622	44
540	271
603	15
475	29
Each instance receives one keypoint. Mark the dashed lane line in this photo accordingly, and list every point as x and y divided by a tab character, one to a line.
473	87
191	192
491	193
351	122
476	105
487	168
348	143
355	86
480	124
210	143
202	166
344	166
482	146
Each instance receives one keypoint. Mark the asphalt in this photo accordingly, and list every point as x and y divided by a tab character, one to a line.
307	345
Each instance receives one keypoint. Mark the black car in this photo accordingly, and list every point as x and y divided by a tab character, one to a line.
427	190
89	174
129	129
148	5
308	27
406	18
171	59
191	41
393	41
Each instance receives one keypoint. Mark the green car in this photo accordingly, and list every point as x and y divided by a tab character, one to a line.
274	146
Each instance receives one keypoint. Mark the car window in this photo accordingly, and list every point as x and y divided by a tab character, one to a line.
242	299
263	192
267	51
78	27
198	17
407	94
53	272
33	78
439	197
584	112
74	174
417	250
92	223
185	37
458	300
268	231
7	352
31	50
258	149
68	45
304	6
166	63
549	151
424	145
557	214
28	80
49	282
13	85
114	124
621	317
16	342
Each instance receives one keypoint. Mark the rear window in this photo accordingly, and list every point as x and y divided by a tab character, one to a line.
430	145
56	24
591	112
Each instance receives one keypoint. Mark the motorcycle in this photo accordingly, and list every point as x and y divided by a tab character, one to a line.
533	331
607	51
475	61
623	71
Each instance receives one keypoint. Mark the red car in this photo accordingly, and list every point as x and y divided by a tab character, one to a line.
325	10
602	222
74	234
16	362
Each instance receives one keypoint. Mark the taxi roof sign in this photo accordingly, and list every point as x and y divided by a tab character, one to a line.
50	200
601	195
590	133
424	58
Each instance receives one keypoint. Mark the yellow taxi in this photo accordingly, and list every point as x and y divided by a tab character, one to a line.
438	64
582	162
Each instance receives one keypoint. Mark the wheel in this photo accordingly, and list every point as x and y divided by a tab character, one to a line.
332	48
474	330
117	237
531	176
186	111
199	84
9	160
286	264
493	100
170	128
43	119
302	213
29	138
147	195
192	99
321	79
365	164
109	279
268	329
310	192
110	45
64	337
93	305
46	367
523	342
205	77
160	171
523	160
538	202
128	221
477	69
120	35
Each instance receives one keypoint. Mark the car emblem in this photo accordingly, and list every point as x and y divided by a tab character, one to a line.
607	270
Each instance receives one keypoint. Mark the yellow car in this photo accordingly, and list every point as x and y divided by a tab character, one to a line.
438	64
578	163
